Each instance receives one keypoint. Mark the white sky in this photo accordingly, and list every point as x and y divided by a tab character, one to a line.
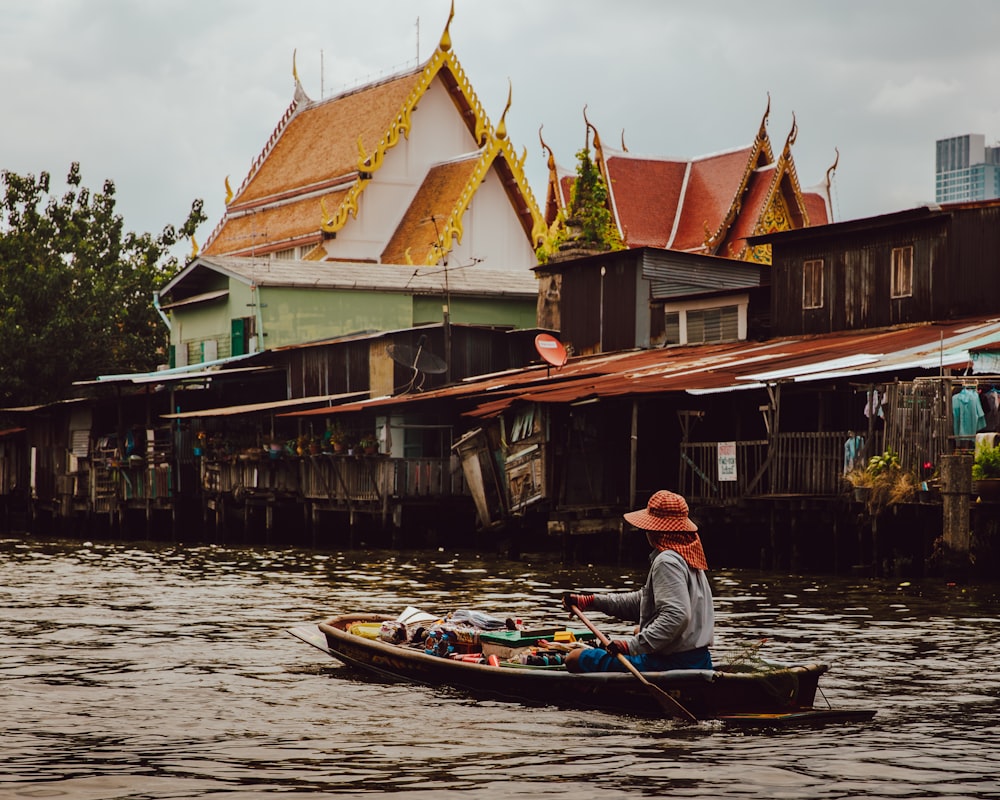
167	98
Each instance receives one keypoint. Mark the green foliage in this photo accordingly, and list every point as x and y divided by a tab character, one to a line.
986	463
886	481
879	465
588	223
76	288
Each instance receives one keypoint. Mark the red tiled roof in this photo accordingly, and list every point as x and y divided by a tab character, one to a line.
645	193
712	186
751	211
817	208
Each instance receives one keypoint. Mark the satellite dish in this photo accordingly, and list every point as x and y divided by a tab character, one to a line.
421	361
550	349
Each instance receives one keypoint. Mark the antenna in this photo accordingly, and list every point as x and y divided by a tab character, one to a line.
418	359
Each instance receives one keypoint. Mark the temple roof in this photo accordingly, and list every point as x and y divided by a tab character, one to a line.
416	238
708	204
306	183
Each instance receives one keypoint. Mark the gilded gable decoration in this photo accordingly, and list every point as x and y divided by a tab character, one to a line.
369	163
309	179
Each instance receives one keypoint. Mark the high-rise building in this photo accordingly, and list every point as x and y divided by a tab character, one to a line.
966	169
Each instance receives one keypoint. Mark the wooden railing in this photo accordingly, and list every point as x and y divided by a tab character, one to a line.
699	471
807	463
798	463
339	479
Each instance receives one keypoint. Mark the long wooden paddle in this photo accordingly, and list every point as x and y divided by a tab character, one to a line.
670	706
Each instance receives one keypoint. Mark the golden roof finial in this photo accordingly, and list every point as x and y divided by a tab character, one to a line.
502	124
194	248
793	133
833	166
551	161
229	192
295	69
445	44
762	133
624	148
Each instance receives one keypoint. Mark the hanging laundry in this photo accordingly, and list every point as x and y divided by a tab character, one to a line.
967	416
991	407
873	404
854	452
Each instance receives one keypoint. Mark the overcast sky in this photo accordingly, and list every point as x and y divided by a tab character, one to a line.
168	98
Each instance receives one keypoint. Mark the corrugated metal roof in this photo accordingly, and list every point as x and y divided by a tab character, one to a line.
703	369
457	280
250	408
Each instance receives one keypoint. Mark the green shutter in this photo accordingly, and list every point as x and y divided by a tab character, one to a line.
237	339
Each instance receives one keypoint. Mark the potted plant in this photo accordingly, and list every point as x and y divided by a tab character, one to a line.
337	437
882	483
986	472
368	445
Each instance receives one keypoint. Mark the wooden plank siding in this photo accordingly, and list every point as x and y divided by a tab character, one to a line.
955	252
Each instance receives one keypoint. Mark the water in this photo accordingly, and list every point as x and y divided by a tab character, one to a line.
160	671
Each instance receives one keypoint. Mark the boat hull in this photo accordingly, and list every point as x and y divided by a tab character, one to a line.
707	694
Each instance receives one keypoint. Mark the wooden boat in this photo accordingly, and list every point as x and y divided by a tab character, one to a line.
774	695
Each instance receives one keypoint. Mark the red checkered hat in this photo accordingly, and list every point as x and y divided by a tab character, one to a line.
665	511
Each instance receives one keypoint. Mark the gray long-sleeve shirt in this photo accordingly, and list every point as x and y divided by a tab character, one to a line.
674	608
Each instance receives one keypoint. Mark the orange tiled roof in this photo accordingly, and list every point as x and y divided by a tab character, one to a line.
419	231
273	227
320	143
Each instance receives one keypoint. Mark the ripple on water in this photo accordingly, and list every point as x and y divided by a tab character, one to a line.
164	671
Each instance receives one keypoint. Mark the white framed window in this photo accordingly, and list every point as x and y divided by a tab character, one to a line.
902	271
713	324
812	283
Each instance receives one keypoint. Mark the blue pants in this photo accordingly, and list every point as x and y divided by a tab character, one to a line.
595	659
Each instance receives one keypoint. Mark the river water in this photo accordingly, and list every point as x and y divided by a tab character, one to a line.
160	671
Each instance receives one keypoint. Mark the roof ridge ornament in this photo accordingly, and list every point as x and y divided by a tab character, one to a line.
832	168
501	130
445	43
762	130
550	162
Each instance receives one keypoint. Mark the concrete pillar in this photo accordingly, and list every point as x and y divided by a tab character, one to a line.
956	490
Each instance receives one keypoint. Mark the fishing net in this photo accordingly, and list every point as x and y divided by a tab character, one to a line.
746	657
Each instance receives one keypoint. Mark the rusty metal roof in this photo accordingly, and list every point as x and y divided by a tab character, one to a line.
709	368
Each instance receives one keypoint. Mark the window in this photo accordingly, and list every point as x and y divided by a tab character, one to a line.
713	325
902	271
672	328
812	283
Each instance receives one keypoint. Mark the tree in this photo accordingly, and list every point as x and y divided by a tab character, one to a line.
586	224
76	289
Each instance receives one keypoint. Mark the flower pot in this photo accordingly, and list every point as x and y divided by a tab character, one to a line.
862	493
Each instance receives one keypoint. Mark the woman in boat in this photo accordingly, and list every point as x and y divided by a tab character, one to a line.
674	607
